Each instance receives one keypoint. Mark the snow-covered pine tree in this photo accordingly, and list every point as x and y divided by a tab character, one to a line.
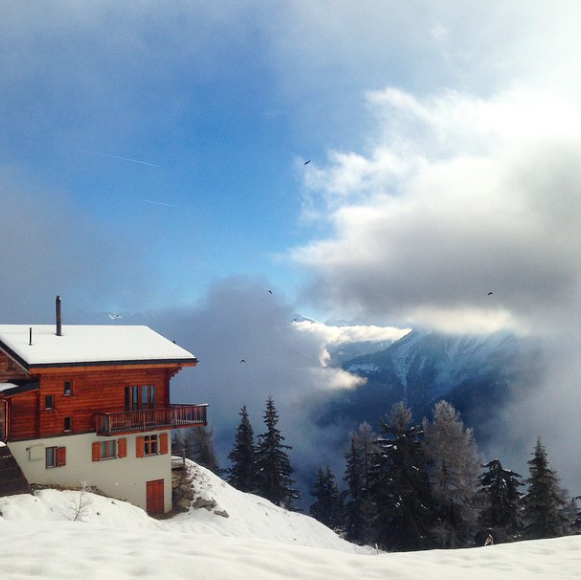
454	469
502	505
360	508
328	505
400	484
544	501
273	468
242	473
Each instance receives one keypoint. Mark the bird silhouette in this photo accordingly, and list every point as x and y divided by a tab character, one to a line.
307	162
490	293
242	361
270	291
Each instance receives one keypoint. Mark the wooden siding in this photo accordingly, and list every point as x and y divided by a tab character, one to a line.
93	392
23	416
97	390
9	370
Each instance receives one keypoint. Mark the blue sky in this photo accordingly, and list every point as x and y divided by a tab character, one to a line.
222	106
152	161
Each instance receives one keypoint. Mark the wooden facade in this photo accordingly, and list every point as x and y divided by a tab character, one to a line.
72	401
9	370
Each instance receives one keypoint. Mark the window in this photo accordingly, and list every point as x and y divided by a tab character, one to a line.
110	449
68	423
138	398
68	388
147	397
151	445
104	450
51	457
56	456
131	398
49	402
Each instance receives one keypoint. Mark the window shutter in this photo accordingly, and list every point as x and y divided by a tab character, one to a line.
122	447
140	446
61	456
163	443
96	451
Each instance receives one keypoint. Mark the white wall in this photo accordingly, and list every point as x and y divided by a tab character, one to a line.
122	478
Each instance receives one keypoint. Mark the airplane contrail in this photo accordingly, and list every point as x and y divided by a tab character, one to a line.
123	158
166	204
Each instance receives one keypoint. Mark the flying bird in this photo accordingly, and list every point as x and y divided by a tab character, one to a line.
307	162
242	361
490	293
270	291
114	315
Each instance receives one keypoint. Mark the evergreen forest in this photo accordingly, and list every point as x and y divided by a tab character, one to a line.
412	485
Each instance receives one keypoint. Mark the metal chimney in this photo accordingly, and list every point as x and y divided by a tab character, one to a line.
59	322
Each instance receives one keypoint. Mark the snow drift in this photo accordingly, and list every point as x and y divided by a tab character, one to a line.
60	535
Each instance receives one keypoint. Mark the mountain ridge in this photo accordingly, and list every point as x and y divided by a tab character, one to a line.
476	373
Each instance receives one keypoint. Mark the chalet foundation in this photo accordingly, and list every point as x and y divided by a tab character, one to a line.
123	478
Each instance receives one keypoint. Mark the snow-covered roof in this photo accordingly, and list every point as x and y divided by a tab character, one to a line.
81	344
7	386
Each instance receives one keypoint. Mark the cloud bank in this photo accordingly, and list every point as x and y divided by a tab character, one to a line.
456	197
240	320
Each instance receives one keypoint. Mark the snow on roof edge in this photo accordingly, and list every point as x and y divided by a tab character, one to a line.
90	344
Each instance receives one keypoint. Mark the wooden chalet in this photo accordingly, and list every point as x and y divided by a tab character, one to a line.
91	405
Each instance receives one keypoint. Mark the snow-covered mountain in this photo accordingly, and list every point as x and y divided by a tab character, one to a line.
67	535
475	373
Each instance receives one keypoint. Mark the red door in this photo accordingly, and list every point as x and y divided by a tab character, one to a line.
155	497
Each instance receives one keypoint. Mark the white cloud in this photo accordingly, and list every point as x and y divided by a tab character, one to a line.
456	196
345	334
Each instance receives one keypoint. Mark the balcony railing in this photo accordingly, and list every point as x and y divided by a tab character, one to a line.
173	417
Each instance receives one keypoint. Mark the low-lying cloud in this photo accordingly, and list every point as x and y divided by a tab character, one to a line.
250	347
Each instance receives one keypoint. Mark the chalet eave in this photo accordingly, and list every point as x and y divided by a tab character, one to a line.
113	365
19	389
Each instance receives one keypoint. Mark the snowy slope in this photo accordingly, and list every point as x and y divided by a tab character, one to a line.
258	541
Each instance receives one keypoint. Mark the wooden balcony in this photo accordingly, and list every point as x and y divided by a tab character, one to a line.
173	417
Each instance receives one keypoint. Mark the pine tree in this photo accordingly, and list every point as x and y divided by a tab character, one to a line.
242	473
360	507
454	471
401	484
544	501
499	489
199	445
328	505
576	525
273	466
